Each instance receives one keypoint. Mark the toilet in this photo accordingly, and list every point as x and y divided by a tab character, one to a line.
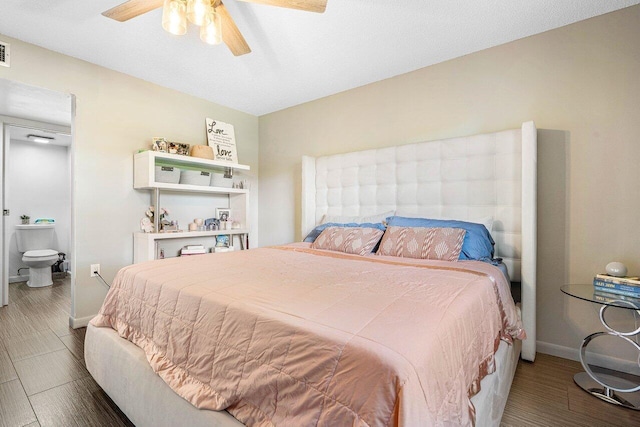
35	241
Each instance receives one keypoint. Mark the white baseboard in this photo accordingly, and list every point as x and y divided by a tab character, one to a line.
14	279
558	350
24	278
80	322
603	360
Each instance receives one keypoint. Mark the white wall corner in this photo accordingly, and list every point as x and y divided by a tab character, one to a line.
80	322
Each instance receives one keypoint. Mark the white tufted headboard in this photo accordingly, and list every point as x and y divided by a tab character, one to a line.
464	178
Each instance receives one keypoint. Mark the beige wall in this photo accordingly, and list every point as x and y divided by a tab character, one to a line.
116	115
578	83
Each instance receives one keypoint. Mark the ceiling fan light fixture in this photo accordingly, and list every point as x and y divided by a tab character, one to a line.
174	16
211	30
197	10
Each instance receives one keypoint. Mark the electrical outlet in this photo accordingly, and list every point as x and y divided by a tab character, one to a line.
95	268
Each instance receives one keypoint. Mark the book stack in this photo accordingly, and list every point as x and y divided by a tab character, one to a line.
193	250
620	286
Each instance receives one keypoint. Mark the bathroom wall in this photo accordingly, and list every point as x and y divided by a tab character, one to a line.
38	186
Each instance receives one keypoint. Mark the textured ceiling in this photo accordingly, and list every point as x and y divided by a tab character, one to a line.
297	56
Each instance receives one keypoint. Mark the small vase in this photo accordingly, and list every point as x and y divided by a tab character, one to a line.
25	221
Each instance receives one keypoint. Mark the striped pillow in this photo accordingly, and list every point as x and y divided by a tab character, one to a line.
353	240
421	242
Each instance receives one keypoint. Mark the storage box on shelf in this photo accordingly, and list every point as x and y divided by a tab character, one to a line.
167	174
153	169
195	177
218	179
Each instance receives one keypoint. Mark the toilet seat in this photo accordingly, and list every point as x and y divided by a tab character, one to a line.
40	253
39	262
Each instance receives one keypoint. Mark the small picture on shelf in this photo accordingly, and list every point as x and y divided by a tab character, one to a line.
159	144
222	241
178	148
212	224
223	214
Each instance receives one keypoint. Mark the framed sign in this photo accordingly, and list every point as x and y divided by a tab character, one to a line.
222	138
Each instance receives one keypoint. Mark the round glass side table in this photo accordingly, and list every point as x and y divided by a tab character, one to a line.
604	385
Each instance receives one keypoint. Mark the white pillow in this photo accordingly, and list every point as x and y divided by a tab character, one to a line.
487	221
373	219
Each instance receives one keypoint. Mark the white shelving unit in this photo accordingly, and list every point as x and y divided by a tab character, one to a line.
145	244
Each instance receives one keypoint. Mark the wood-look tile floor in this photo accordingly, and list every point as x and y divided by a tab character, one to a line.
43	381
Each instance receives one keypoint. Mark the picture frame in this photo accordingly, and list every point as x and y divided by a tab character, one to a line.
223	240
159	144
178	148
223	214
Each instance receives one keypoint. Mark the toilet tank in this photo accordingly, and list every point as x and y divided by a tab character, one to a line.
34	236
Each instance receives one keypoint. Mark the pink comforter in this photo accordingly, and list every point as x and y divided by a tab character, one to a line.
295	336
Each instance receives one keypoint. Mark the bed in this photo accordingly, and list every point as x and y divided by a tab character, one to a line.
309	326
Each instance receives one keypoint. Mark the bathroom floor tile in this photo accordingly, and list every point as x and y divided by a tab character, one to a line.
31	345
16	410
49	370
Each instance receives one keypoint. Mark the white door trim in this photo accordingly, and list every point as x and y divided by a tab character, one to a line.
4	253
6	122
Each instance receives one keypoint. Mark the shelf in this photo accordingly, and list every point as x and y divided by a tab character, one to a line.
192	188
190	234
145	245
176	159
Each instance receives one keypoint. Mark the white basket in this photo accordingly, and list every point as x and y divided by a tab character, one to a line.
168	174
218	180
190	177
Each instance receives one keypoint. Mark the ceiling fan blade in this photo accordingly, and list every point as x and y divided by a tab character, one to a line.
231	34
307	5
131	9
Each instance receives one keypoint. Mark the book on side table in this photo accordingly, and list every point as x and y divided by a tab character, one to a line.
626	286
609	297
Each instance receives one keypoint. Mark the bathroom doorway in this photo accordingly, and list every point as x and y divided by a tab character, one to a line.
38	192
36	182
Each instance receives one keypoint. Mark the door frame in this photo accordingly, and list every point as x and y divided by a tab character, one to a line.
5	123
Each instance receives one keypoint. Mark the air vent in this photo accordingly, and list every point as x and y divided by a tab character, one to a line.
5	55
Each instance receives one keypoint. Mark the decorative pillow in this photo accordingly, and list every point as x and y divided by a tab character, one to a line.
424	243
313	235
478	243
350	240
357	219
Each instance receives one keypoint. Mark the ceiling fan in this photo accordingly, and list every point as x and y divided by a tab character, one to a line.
215	23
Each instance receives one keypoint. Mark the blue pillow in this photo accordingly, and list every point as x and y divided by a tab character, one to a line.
311	237
477	244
